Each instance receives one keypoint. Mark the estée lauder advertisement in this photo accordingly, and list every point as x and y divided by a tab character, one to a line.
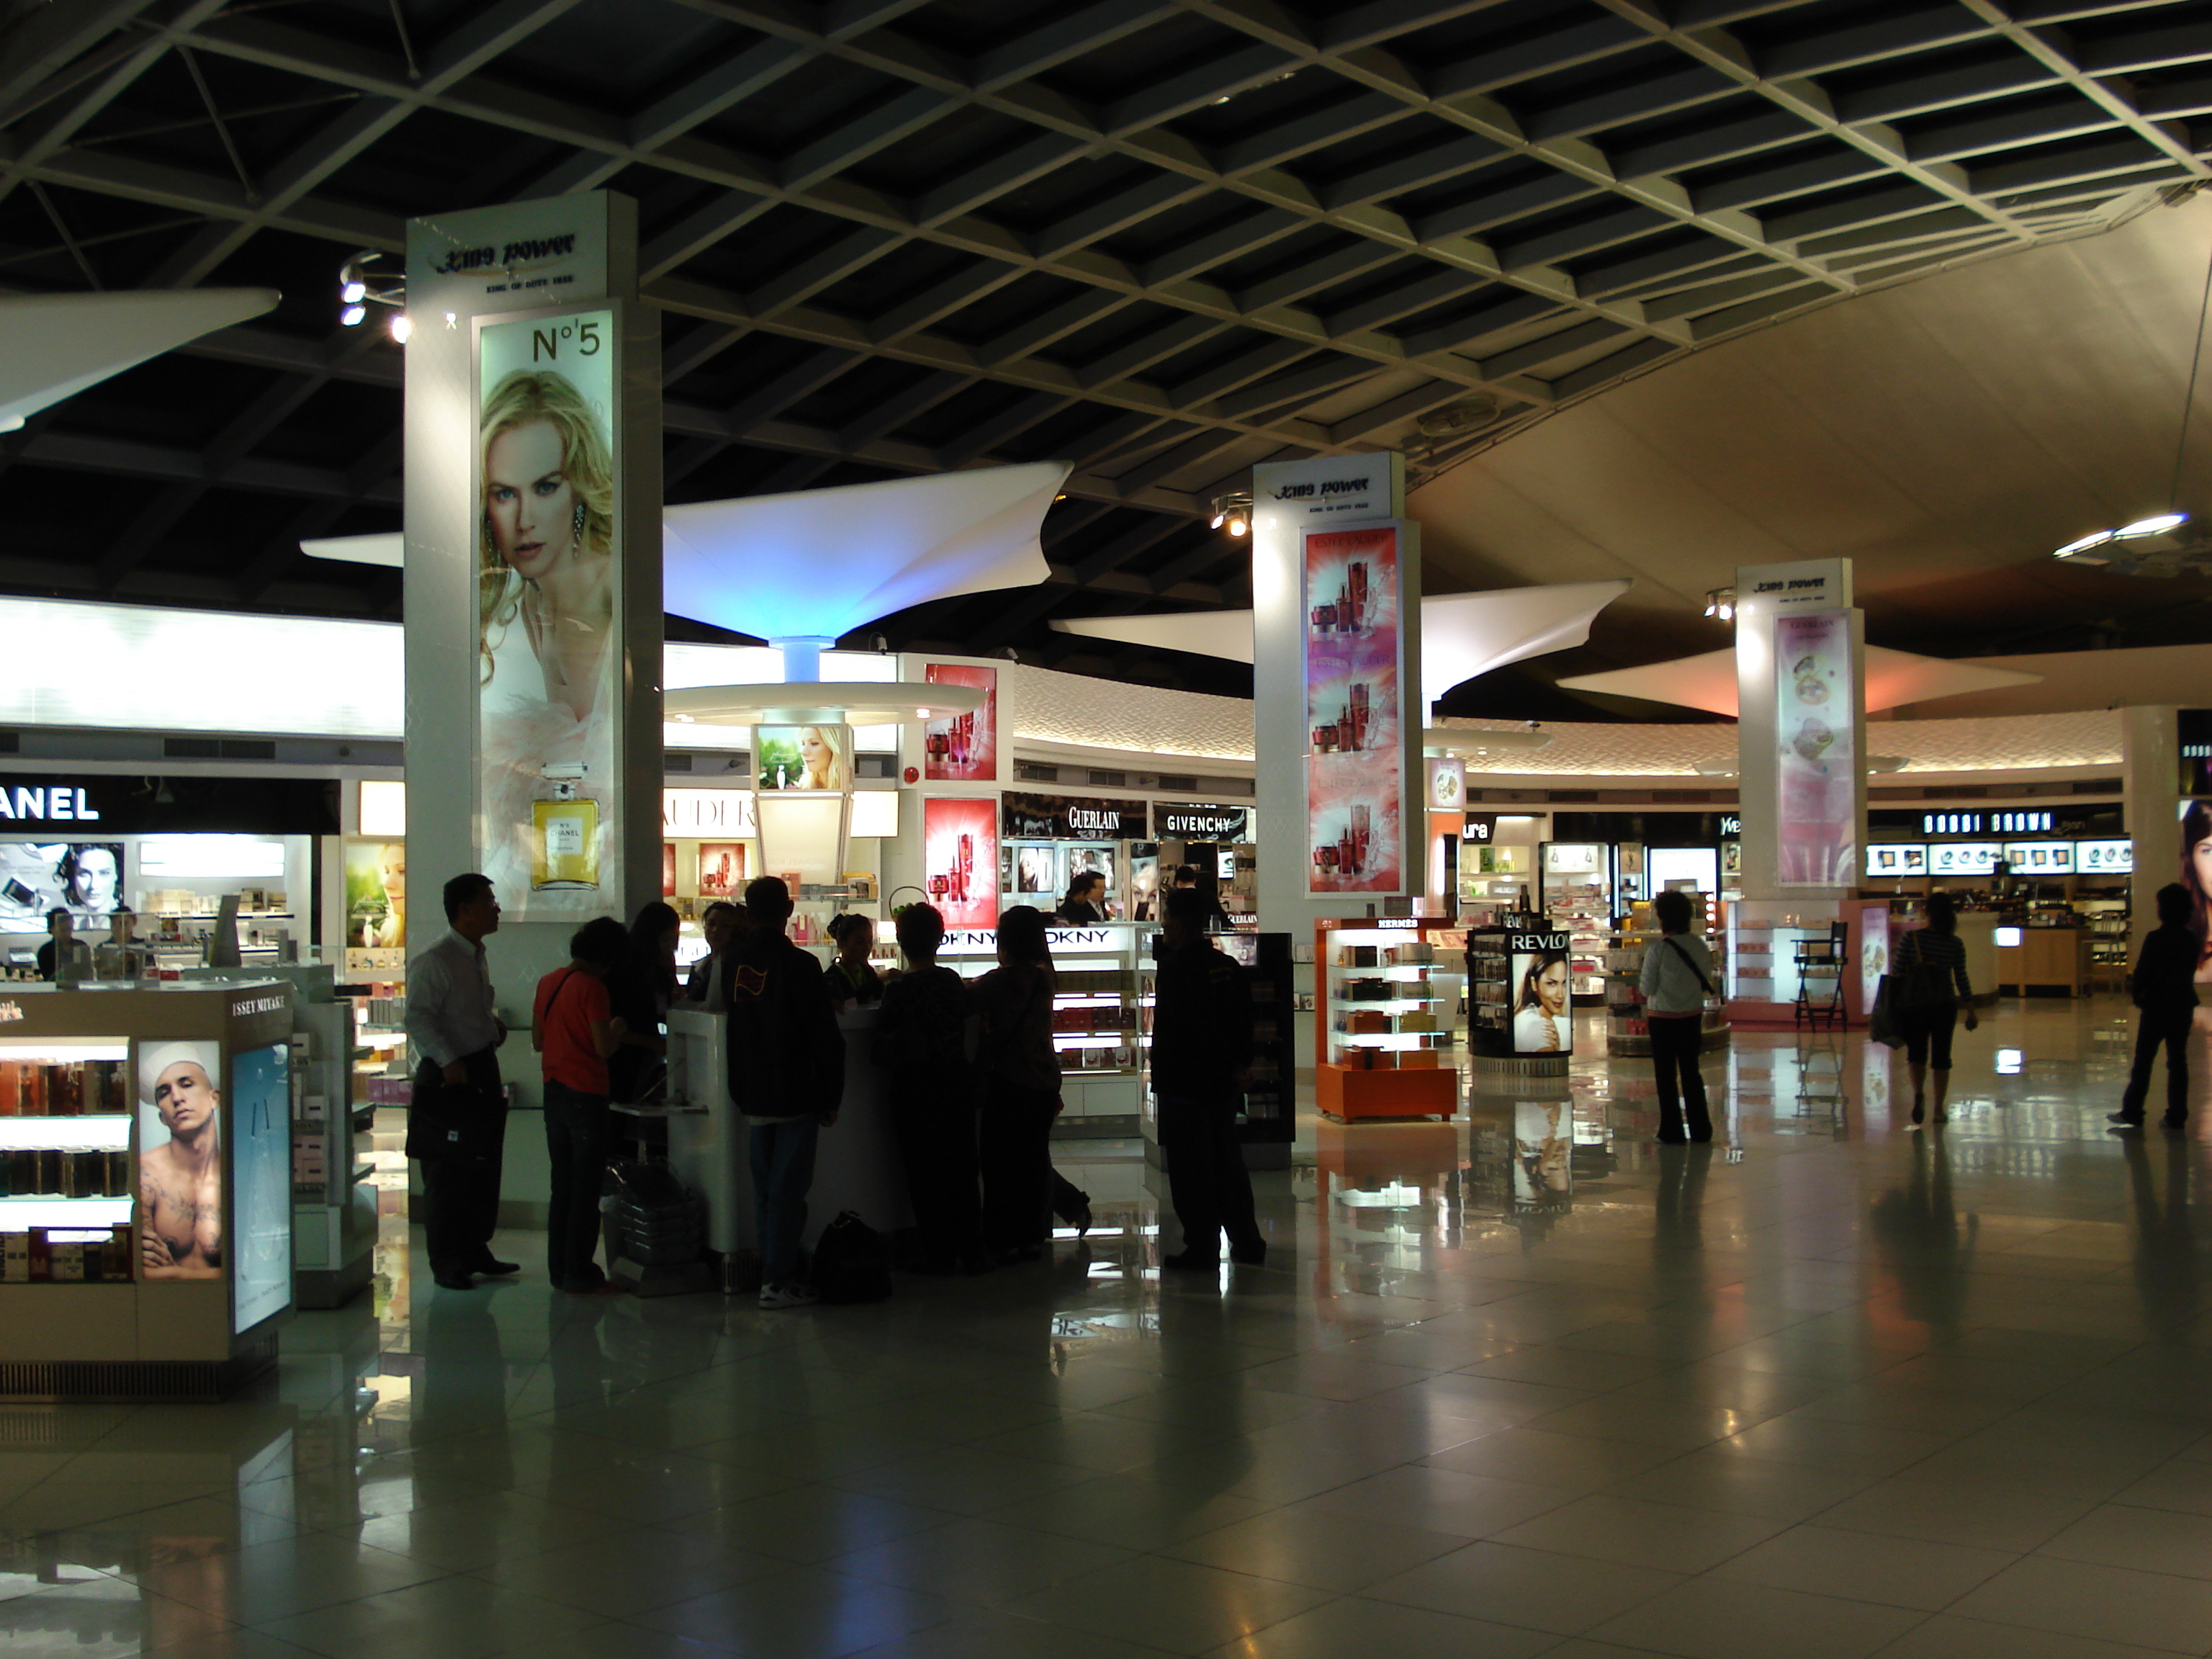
546	620
1816	778
1355	761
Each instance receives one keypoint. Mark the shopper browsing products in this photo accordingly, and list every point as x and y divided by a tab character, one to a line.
1202	1049
787	1066
721	924
576	1031
642	988
1084	902
2165	989
1020	1080
456	1038
925	1037
1677	977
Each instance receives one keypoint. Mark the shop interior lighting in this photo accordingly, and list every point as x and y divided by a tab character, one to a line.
1233	513
1720	602
360	286
402	328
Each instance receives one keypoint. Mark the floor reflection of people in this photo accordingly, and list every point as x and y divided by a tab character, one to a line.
2166	1265
1918	1236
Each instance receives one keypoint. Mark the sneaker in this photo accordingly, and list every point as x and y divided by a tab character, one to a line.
788	1296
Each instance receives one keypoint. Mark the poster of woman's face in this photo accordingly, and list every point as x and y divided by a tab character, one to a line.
722	869
376	895
85	878
803	757
1035	870
1543	1002
546	607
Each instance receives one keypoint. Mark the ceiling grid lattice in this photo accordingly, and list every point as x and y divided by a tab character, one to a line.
1163	238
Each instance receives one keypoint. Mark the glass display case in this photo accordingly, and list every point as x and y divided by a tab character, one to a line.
146	1220
1578	901
1388	1018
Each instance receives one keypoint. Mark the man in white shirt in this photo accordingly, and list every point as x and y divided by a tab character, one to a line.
456	1038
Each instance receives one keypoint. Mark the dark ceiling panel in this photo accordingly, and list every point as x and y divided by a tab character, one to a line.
1160	238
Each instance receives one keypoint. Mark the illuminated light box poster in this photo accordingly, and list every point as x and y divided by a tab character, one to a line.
261	1185
1543	1008
814	757
1816	783
180	1215
960	861
83	878
2195	851
1354	677
548	617
721	870
2193	728
963	748
376	895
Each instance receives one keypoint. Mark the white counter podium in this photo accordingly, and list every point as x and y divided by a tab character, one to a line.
857	1165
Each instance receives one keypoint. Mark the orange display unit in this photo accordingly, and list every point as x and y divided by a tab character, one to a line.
1389	1007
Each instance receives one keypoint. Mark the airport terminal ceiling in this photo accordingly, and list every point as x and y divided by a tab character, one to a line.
1167	241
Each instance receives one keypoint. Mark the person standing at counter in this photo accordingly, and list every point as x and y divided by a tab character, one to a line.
2164	987
641	987
1676	978
1202	1048
1020	1082
923	1036
1084	903
63	957
850	977
720	924
456	1038
575	1029
786	1075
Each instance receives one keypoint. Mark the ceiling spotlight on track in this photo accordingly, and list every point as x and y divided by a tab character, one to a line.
1720	603
1233	513
361	285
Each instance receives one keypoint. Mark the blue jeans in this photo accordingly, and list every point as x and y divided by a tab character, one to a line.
783	1158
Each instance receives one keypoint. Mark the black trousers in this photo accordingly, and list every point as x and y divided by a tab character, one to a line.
1674	1044
460	1201
1016	1154
2169	1027
937	1143
1208	1183
576	1141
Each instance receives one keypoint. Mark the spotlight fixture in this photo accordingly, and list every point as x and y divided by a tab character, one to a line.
361	285
1720	603
1233	513
402	327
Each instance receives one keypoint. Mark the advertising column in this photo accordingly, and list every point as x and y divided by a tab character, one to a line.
1336	672
533	570
956	764
1801	729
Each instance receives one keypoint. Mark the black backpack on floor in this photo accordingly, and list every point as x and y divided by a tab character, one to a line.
852	1261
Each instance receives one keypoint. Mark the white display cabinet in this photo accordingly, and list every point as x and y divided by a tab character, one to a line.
91	1306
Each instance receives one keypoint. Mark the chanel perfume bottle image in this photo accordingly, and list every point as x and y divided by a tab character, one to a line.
565	850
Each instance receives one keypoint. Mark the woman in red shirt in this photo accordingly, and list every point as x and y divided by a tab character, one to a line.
574	1028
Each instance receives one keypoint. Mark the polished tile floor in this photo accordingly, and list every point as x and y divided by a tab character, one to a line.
1520	1385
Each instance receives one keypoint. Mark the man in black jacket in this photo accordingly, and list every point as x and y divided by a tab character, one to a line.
1202	1049
787	1060
2164	986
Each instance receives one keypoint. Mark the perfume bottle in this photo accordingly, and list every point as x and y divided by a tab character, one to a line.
566	822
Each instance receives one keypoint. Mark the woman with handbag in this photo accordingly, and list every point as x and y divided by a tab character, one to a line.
1929	965
1677	977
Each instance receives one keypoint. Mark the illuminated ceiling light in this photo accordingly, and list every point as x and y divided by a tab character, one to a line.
1720	603
2084	545
2156	525
354	293
402	327
1233	513
351	315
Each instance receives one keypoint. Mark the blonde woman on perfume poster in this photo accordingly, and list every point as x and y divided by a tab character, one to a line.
546	612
